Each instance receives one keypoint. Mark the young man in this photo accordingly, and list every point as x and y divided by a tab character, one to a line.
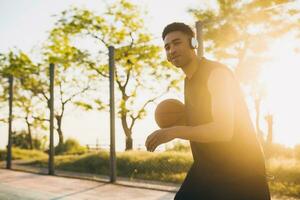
228	161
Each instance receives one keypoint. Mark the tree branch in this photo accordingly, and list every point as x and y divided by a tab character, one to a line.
122	87
92	66
74	95
40	119
101	39
134	118
132	40
127	77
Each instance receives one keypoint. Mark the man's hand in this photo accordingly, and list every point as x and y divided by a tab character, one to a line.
159	137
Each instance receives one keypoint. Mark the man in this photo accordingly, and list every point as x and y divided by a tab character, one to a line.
228	161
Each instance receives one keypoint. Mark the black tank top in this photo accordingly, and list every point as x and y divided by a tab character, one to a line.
242	155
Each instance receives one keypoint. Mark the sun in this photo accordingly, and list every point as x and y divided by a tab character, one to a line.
280	77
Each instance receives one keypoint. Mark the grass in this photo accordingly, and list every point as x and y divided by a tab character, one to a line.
169	166
24	154
286	174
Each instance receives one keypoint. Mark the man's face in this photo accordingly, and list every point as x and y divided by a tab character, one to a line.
178	49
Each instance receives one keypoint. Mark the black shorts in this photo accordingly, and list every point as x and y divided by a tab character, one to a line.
247	188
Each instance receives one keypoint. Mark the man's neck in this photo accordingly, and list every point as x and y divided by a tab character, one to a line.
191	68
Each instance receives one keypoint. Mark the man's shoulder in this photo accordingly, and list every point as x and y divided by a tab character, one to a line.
212	65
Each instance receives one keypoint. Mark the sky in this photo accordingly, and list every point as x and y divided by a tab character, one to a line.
25	24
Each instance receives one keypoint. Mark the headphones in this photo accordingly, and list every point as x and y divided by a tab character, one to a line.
194	43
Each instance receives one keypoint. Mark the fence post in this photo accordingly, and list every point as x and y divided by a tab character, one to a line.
111	50
51	108
10	118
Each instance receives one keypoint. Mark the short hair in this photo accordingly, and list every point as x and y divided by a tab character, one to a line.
178	26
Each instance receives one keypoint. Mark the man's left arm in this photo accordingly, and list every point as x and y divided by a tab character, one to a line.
220	86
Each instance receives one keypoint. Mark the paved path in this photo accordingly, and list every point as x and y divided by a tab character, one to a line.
16	185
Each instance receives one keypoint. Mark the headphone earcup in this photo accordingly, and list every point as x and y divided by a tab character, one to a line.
194	43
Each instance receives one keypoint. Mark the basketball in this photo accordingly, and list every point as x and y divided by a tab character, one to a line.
170	112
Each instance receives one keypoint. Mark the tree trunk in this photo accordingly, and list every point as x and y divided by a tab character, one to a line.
257	109
128	133
269	119
60	137
29	134
59	130
128	143
268	143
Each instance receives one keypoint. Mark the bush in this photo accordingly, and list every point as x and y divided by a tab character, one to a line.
286	174
161	166
165	166
23	154
180	147
70	146
21	139
2	155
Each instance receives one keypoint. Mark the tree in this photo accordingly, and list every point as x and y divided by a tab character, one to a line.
138	61
3	96
21	139
32	84
71	78
241	31
29	108
269	119
19	65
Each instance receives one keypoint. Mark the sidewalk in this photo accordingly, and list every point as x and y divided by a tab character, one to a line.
19	165
15	185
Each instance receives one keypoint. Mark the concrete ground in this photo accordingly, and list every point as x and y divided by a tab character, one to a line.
16	185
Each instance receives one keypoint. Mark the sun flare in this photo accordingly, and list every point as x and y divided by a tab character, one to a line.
280	77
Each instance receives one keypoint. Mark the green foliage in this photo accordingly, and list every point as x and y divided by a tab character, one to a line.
24	154
138	64
285	170
2	155
97	163
17	64
21	139
286	174
26	103
138	61
70	146
83	105
242	31
285	188
179	147
167	166
163	166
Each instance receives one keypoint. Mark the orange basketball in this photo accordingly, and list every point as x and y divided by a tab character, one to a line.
170	112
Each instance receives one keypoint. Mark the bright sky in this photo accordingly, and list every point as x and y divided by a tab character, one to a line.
24	24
